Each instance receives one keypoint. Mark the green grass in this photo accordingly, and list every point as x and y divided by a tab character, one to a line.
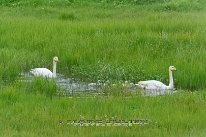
114	40
177	5
105	44
26	114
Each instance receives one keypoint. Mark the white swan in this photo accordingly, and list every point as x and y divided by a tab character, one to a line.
154	84
46	72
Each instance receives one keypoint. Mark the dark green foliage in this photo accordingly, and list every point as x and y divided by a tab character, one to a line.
67	16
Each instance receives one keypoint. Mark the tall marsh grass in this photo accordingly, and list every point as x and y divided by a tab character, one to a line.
128	44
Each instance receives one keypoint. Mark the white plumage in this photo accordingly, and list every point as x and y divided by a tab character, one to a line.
46	72
42	72
154	84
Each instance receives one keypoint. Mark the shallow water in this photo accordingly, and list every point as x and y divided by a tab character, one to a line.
72	87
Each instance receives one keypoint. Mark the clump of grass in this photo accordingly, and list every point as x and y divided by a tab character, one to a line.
181	5
43	86
67	16
9	95
101	15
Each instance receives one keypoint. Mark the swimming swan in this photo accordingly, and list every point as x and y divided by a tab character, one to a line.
46	72
154	84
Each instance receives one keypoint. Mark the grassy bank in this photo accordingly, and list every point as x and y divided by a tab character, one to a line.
27	114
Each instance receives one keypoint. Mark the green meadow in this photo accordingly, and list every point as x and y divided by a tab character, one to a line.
116	40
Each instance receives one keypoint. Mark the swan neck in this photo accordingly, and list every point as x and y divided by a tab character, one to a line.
171	84
54	69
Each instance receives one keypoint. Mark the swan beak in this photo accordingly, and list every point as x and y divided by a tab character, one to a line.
176	69
57	60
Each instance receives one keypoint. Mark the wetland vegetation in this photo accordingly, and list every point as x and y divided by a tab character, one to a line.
115	40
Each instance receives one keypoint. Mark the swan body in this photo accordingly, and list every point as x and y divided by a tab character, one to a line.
154	84
46	72
42	72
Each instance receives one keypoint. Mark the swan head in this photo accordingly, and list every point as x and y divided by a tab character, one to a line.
172	68
56	59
